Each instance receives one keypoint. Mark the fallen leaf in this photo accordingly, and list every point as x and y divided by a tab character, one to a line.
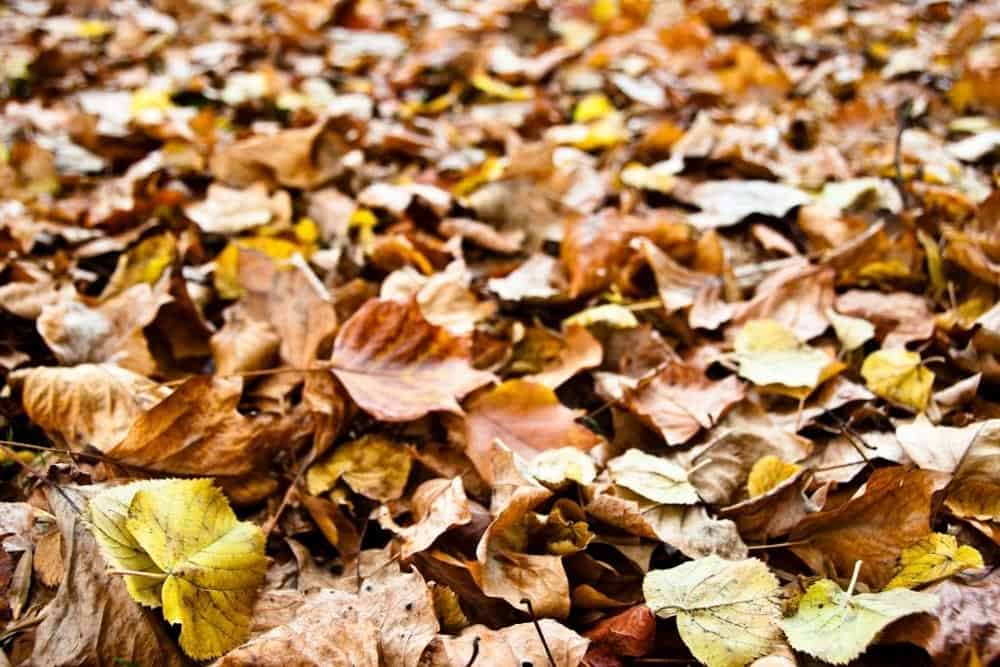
727	611
654	478
680	401
82	623
837	627
973	492
936	447
893	512
86	405
398	366
438	505
373	465
770	354
233	210
852	332
580	351
898	375
525	416
629	633
207	573
725	203
768	472
932	558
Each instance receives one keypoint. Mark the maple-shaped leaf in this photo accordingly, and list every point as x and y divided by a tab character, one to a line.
398	366
527	417
937	556
205	567
897	375
679	401
837	627
727	611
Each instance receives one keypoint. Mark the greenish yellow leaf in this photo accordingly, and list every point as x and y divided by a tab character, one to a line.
932	558
654	478
143	263
770	354
897	375
727	611
935	265
93	29
373	465
852	332
768	472
184	535
145	100
837	627
610	314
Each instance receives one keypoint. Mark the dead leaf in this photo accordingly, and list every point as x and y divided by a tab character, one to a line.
398	366
680	401
725	203
438	504
525	416
893	511
232	210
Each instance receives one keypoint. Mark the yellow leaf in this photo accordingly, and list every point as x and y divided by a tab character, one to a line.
852	332
306	231
555	466
769	354
727	611
932	558
611	314
935	266
897	375
227	282
657	178
145	99
143	263
372	465
652	477
767	473
497	88
837	627
605	11
206	566
490	170
93	29
592	107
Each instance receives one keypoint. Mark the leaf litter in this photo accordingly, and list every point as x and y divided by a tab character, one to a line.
601	332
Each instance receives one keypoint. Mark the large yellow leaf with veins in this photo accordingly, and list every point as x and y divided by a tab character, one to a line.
201	563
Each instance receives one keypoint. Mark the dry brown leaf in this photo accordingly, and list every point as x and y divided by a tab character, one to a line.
527	417
679	401
975	490
580	351
438	504
899	317
398	366
934	447
892	512
244	344
86	405
773	513
512	646
197	430
797	296
298	158
629	633
232	210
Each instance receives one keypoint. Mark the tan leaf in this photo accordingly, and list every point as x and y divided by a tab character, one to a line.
86	405
899	317
232	210
679	401
893	512
512	646
774	512
796	296
579	351
725	203
936	447
244	344
526	417
438	504
975	489
398	366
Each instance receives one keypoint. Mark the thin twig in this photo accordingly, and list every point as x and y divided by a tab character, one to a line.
475	652
538	628
776	545
904	115
39	476
87	456
854	582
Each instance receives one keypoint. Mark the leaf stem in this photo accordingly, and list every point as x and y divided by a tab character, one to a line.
854	582
138	573
538	628
475	652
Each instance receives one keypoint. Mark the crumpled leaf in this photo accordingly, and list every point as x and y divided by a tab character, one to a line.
438	504
373	465
398	366
837	627
652	477
680	401
86	405
206	570
727	611
527	417
931	558
898	375
893	512
974	492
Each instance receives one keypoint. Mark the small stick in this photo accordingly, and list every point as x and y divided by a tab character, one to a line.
854	582
248	374
776	545
39	476
904	114
475	652
538	628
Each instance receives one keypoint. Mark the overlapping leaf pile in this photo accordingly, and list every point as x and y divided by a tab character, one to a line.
442	332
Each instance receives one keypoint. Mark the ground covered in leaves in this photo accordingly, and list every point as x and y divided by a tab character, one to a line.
499	333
